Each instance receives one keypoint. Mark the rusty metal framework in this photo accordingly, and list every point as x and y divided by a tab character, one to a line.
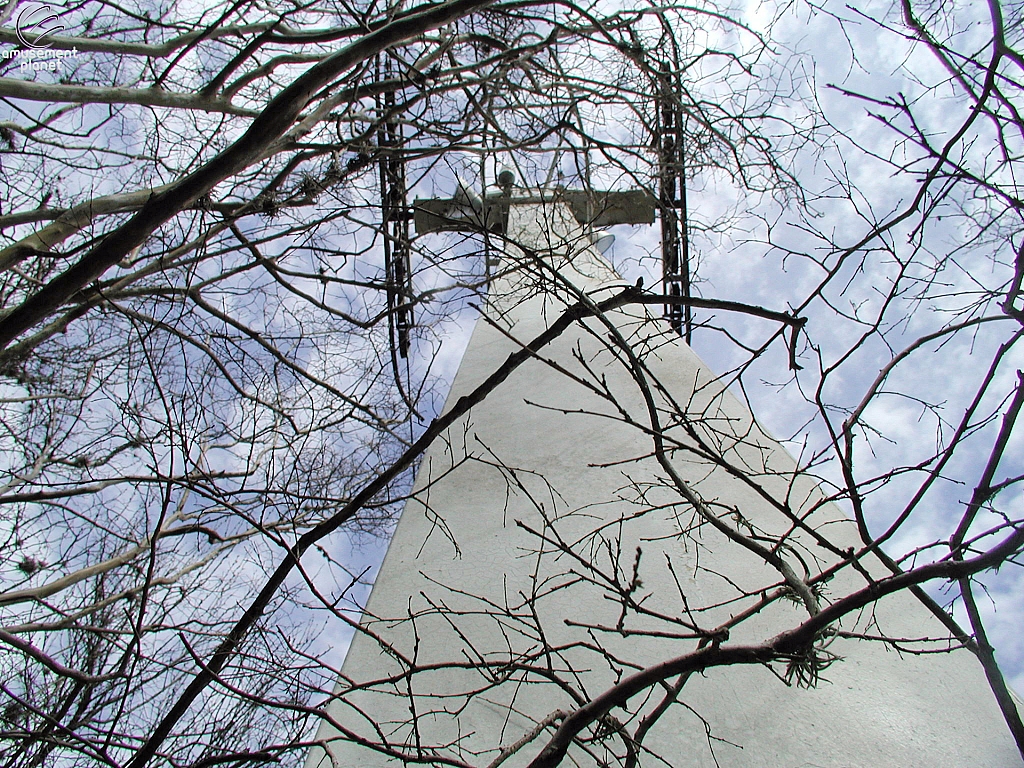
395	217
670	142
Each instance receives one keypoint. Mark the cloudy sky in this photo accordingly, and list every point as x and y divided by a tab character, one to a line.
830	239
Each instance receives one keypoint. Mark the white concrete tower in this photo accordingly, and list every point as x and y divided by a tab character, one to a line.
607	509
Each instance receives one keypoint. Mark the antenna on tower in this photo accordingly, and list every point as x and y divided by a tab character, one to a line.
675	241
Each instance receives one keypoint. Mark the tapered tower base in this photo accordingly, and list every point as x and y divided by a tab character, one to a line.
549	554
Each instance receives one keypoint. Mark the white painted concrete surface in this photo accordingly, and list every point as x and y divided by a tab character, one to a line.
466	585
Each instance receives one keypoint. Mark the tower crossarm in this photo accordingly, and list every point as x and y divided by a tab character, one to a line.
490	213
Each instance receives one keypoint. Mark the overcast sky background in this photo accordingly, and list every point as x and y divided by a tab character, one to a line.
813	51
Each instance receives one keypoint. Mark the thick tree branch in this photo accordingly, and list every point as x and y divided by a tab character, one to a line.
272	123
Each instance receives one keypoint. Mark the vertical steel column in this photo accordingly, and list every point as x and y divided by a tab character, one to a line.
395	215
675	241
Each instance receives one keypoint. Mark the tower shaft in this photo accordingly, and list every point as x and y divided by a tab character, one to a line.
561	539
